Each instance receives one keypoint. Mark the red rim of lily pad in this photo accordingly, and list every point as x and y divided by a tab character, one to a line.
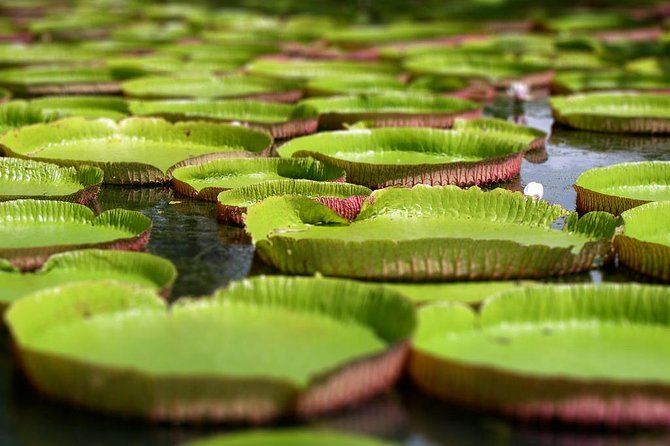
231	398
613	403
31	258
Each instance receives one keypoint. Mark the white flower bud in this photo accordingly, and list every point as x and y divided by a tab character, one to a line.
533	189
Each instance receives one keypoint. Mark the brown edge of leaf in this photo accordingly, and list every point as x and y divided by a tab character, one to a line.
652	259
542	399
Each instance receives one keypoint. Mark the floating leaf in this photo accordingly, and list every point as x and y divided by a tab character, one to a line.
430	233
619	187
206	181
32	230
406	156
597	365
303	338
134	150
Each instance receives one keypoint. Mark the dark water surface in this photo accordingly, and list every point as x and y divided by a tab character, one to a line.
209	255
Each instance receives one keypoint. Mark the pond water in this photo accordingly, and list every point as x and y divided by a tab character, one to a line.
209	255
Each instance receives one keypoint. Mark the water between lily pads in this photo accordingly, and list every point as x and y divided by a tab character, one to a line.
209	255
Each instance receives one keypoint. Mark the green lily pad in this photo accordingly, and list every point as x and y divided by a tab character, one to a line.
597	365
19	113
430	233
576	81
329	86
498	70
303	338
614	112
406	156
391	109
363	36
152	32
206	181
33	179
619	187
532	138
34	81
137	268
45	54
345	199
32	230
303	70
15	114
464	292
126	67
280	120
134	150
588	21
644	245
289	437
211	87
56	107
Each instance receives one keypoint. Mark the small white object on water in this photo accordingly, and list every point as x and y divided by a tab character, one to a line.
519	91
533	189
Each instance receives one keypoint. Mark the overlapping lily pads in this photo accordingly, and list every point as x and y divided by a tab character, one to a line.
280	120
499	71
303	70
619	187
614	112
406	156
598	366
577	81
293	437
533	138
644	245
472	293
345	199
32	230
430	233
136	268
391	109
134	150
37	81
212	87
33	179
311	345
206	181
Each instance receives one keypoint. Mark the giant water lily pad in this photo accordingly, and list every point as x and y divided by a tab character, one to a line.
406	156
292	437
280	120
212	87
15	114
18	113
500	71
465	292
328	86
619	187
55	107
576	81
205	181
391	109
614	112
303	70
311	345
533	138
32	230
644	245
430	233
138	268
345	199
35	81
45	54
576	354
134	150
33	179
